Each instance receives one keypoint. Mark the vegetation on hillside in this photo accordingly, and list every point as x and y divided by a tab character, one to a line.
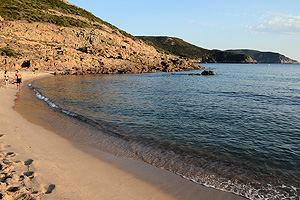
39	11
6	51
175	46
179	47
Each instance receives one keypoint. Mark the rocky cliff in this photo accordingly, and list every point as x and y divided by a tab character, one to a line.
80	44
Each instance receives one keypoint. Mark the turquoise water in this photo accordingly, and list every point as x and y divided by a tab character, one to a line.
237	131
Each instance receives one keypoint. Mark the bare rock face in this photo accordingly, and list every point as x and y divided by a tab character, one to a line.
2	45
42	46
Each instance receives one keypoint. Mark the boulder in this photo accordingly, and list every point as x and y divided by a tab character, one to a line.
205	72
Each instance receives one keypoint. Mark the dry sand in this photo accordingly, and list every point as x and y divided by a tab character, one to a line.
36	163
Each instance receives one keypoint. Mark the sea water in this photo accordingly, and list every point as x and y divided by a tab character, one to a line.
237	131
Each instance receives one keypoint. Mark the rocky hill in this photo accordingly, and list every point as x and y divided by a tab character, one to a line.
58	36
176	46
265	57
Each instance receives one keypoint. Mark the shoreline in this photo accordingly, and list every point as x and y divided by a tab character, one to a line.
66	170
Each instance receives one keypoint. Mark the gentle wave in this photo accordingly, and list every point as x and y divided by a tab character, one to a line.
85	119
50	103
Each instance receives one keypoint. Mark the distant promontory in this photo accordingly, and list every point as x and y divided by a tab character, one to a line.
265	57
176	46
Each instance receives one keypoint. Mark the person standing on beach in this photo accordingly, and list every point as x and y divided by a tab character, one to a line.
6	79
18	77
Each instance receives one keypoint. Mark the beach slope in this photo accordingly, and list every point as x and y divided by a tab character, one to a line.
39	164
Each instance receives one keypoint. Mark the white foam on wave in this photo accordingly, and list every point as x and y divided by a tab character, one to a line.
68	113
43	98
50	103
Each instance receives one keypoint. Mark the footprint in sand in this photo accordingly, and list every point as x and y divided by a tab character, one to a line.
28	162
50	189
29	174
5	176
10	154
12	189
21	178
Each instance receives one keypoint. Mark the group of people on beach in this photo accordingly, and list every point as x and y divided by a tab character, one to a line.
18	79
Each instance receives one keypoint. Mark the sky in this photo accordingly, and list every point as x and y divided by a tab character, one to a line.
265	25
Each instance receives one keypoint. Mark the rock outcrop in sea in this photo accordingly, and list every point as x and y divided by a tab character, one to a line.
204	73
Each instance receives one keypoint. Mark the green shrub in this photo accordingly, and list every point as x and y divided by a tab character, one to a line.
6	51
32	11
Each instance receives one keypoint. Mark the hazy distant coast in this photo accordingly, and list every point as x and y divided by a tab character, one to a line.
177	46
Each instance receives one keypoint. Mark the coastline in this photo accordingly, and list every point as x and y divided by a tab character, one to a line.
59	169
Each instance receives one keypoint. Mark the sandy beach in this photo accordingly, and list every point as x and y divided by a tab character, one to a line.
37	163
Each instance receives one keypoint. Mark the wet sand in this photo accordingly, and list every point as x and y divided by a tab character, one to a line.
38	163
